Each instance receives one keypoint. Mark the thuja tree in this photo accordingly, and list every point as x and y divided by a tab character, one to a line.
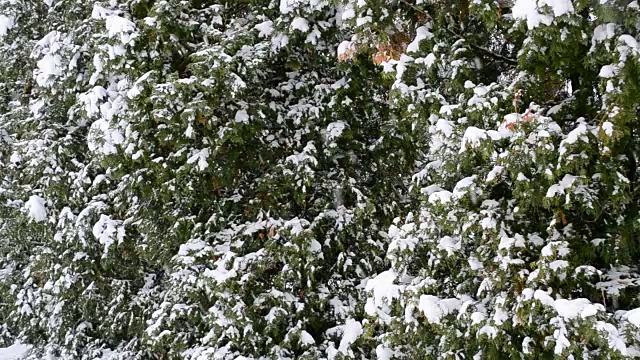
525	241
64	289
257	180
227	179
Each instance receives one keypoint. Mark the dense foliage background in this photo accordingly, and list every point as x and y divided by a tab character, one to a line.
320	179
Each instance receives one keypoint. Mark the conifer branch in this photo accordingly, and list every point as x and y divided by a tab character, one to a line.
477	47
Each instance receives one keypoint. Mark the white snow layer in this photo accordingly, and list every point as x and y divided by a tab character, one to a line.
472	136
108	231
201	156
36	208
529	10
345	47
286	6
422	33
103	138
383	289
334	130
13	352
6	24
50	65
352	330
306	338
567	309
434	308
265	28
300	24
117	25
242	117
559	188
633	316
609	71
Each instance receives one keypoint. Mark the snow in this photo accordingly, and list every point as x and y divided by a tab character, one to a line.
103	138
422	33
609	71
306	338
630	41
315	246
334	130
434	309
108	231
562	342
607	127
300	24
100	13
279	41
92	99
558	265
15	158
117	25
613	336
494	173
443	197
477	317
136	88
242	117
474	263
579	133
6	24
384	290
506	242
36	208
567	309
560	7
296	226
571	309
220	274
488	330
428	61
363	20
287	6
273	314
460	189
633	316
480	91
201	156
49	65
472	136
449	244
265	28
604	32
445	127
14	352
90	72
559	188
384	353
528	10
352	330
448	109
303	157
345	47
544	298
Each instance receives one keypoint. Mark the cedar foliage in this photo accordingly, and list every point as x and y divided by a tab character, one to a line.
262	179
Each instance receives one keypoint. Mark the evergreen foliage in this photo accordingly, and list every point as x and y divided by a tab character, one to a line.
323	179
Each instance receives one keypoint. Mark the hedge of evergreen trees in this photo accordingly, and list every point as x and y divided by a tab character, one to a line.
320	179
